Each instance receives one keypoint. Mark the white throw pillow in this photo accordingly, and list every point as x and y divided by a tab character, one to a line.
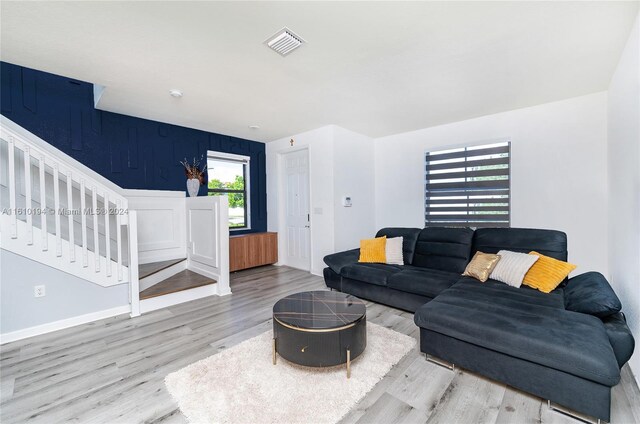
393	251
512	267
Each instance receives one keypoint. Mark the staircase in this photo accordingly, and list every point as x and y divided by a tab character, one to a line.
58	212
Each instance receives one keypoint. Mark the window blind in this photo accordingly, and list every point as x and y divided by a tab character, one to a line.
230	158
469	186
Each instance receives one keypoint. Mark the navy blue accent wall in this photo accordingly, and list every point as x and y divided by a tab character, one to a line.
131	152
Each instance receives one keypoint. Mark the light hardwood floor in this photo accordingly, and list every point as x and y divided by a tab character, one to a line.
112	371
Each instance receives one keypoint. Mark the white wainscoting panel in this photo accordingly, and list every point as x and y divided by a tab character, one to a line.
161	229
208	239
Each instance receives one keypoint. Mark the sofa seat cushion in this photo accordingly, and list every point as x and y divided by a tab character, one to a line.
497	292
546	335
370	273
422	281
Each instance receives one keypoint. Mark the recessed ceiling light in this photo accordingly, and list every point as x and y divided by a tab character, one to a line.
254	127
175	93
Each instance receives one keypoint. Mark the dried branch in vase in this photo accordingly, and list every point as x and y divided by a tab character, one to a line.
194	170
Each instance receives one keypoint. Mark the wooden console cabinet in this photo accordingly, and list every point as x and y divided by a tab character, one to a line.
251	250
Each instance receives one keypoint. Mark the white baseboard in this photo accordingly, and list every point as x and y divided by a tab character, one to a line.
62	324
224	292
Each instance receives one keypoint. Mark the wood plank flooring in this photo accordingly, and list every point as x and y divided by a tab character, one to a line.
183	280
112	371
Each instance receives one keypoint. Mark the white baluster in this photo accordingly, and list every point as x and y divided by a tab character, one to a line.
13	228
96	248
56	205
119	239
43	204
27	194
72	240
83	217
107	234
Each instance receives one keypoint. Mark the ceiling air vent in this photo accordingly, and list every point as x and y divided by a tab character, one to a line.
284	41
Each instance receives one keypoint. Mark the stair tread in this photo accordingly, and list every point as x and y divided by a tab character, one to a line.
146	270
184	280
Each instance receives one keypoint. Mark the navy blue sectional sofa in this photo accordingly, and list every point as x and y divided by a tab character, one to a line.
567	346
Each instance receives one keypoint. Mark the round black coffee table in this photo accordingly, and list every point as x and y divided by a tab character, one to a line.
319	328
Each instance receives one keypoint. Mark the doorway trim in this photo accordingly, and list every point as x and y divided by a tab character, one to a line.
281	204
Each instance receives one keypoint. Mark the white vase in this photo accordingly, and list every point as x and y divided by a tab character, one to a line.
193	185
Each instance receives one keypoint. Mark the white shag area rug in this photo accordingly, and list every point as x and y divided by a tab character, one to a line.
241	384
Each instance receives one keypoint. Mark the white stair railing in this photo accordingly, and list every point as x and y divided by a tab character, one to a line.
33	186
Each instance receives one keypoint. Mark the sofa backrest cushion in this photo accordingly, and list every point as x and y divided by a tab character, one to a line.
409	238
446	249
548	242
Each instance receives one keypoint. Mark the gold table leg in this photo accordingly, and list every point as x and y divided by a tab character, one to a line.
348	363
273	351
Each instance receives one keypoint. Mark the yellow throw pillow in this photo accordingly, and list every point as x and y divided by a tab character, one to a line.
547	273
481	266
373	250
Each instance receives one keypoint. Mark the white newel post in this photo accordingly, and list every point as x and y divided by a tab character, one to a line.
134	283
223	245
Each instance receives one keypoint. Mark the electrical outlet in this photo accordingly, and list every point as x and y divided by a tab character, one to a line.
38	291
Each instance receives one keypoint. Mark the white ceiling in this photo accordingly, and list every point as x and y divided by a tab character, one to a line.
375	68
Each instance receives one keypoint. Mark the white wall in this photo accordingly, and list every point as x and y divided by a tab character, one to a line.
353	176
624	184
340	163
559	171
66	296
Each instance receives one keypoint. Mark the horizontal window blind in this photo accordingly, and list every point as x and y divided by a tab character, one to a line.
241	160
469	186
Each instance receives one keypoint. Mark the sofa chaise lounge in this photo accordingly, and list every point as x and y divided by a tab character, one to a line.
567	346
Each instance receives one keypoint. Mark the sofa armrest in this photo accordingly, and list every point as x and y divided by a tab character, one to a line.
590	293
337	261
620	336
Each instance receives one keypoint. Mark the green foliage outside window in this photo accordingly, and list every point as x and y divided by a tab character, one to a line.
236	200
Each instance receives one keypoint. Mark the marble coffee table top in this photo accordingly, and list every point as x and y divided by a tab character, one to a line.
319	310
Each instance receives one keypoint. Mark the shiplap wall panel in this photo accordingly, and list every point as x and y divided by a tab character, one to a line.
132	152
132	146
29	90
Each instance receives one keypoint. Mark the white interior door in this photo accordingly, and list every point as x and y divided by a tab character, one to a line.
297	219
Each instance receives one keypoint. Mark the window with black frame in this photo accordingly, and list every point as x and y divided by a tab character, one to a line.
229	175
469	186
